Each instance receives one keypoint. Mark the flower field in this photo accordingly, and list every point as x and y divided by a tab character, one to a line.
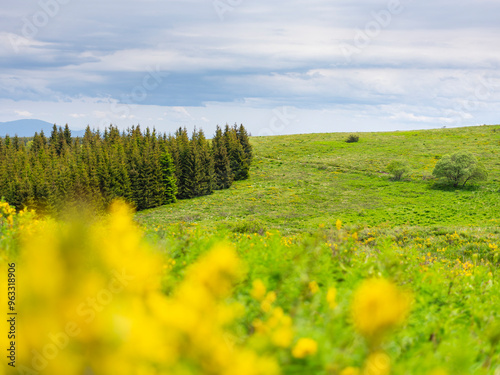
107	297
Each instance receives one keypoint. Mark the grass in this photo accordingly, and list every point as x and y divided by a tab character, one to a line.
301	181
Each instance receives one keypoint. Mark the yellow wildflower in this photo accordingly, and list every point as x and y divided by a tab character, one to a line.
313	287
438	372
338	224
266	304
217	270
350	371
378	363
282	337
378	306
277	330
259	290
331	297
305	347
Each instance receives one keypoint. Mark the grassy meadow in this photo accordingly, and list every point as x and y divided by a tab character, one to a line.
317	264
301	181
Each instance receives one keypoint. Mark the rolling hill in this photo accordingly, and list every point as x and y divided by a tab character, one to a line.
298	182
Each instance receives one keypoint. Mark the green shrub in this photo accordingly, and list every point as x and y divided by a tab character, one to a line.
249	226
352	138
398	169
460	168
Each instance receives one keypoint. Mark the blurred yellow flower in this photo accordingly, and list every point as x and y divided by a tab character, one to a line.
266	304
277	330
331	297
377	363
378	306
350	371
305	347
438	372
313	287
258	290
282	337
338	224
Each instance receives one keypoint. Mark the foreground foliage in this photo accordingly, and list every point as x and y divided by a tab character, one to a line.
103	296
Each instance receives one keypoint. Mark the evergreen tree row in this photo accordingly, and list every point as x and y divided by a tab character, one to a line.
142	167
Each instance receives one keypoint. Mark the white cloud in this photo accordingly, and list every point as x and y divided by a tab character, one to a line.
23	113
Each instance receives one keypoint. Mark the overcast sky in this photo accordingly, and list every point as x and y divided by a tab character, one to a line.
279	67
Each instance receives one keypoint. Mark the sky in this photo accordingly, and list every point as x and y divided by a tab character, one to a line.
278	67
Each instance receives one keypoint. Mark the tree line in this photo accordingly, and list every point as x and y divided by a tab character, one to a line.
145	168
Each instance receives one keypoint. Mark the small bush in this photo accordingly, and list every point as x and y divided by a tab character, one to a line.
398	169
352	138
249	226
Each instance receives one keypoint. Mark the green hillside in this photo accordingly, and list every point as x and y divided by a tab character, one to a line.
301	181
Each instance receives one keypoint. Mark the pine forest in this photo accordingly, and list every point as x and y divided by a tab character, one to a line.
144	168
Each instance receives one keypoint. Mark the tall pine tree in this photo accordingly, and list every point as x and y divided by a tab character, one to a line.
222	166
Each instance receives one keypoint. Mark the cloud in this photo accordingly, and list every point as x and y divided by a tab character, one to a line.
425	61
23	113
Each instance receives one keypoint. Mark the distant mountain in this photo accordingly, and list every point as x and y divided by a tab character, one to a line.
28	127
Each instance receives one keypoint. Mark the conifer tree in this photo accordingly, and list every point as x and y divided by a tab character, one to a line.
206	161
120	182
242	135
54	138
67	135
43	139
222	167
37	145
168	175
173	150
16	143
40	182
236	154
134	166
185	174
152	173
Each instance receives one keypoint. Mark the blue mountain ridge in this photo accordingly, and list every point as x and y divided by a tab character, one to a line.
28	127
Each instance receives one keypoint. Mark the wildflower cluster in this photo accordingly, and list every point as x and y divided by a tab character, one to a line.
92	302
276	331
12	223
6	214
100	299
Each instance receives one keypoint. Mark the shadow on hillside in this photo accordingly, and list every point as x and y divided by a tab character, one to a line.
444	186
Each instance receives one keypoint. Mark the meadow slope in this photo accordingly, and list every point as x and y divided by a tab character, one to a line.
301	181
